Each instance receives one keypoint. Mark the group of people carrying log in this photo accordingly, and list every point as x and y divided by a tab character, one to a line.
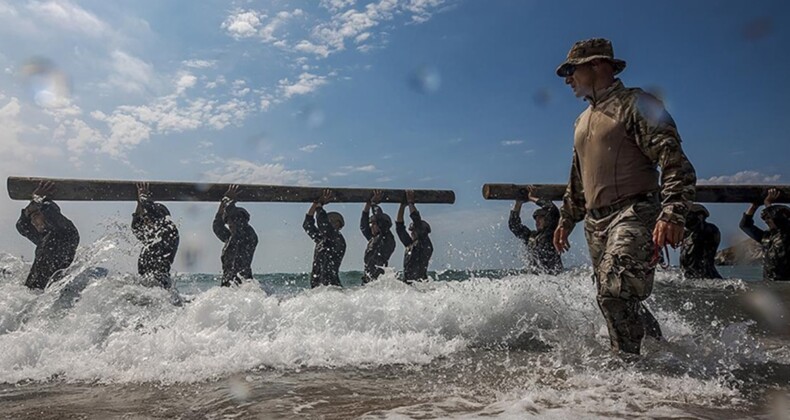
56	239
631	212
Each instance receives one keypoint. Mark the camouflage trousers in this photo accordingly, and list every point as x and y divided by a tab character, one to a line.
621	248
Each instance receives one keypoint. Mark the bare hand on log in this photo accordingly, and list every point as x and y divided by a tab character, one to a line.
326	197
375	199
410	197
233	192
143	190
771	197
531	194
561	243
44	189
666	233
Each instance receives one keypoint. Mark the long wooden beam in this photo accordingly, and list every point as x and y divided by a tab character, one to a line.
21	188
705	193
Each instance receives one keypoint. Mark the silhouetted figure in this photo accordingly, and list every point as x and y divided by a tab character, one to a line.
699	246
418	244
542	257
375	228
330	246
152	225
55	236
776	240
232	226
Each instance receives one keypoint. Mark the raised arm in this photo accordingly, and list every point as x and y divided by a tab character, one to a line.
25	228
309	222
514	223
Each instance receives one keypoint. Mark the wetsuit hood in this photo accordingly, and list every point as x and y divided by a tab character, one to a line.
157	211
237	214
336	217
51	212
383	221
425	226
780	214
700	209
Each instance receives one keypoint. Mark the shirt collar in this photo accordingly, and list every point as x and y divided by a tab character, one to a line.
606	93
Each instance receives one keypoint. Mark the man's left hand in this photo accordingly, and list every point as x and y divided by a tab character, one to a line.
666	233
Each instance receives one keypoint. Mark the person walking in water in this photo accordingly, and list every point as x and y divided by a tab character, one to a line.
153	227
376	228
232	226
700	243
541	255
775	241
55	236
417	242
630	212
330	245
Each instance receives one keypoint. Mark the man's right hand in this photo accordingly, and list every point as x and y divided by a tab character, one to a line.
771	197
44	189
561	243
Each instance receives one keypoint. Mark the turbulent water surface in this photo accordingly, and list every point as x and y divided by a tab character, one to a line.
495	344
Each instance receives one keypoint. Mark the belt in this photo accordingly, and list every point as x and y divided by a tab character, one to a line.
605	211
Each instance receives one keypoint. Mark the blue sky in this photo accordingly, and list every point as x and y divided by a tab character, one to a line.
443	94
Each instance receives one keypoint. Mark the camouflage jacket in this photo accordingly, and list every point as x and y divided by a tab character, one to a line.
647	123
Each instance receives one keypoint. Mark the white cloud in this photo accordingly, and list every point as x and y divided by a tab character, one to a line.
384	179
68	16
184	82
347	170
307	83
310	148
742	177
335	5
244	171
242	24
131	74
512	142
421	9
199	64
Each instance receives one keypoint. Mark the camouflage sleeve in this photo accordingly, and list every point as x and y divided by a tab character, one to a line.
657	136
573	210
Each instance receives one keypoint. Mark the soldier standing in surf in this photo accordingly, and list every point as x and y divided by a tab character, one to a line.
152	225
375	228
418	244
775	241
541	255
232	226
55	236
330	245
630	213
700	243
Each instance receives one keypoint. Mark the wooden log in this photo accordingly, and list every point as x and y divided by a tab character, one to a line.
705	193
21	188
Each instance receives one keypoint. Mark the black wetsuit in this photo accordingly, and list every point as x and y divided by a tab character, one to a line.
55	247
239	247
698	250
541	255
160	242
380	247
775	243
330	247
418	249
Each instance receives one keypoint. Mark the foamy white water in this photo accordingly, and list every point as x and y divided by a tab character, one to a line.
515	347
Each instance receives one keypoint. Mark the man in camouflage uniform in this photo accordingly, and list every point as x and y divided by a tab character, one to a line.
700	243
629	212
775	241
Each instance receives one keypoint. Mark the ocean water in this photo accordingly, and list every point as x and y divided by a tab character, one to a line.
493	344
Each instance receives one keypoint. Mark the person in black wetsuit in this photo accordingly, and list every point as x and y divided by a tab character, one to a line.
776	240
232	226
699	246
381	243
541	255
55	236
330	246
152	225
418	245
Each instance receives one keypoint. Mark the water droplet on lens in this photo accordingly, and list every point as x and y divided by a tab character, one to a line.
426	79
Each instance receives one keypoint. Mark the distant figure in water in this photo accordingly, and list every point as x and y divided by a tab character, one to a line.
330	246
232	226
418	245
699	246
54	235
776	240
375	228
152	225
541	255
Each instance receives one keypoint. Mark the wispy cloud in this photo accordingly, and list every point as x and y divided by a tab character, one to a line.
245	171
307	83
512	142
347	170
742	177
310	148
69	16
